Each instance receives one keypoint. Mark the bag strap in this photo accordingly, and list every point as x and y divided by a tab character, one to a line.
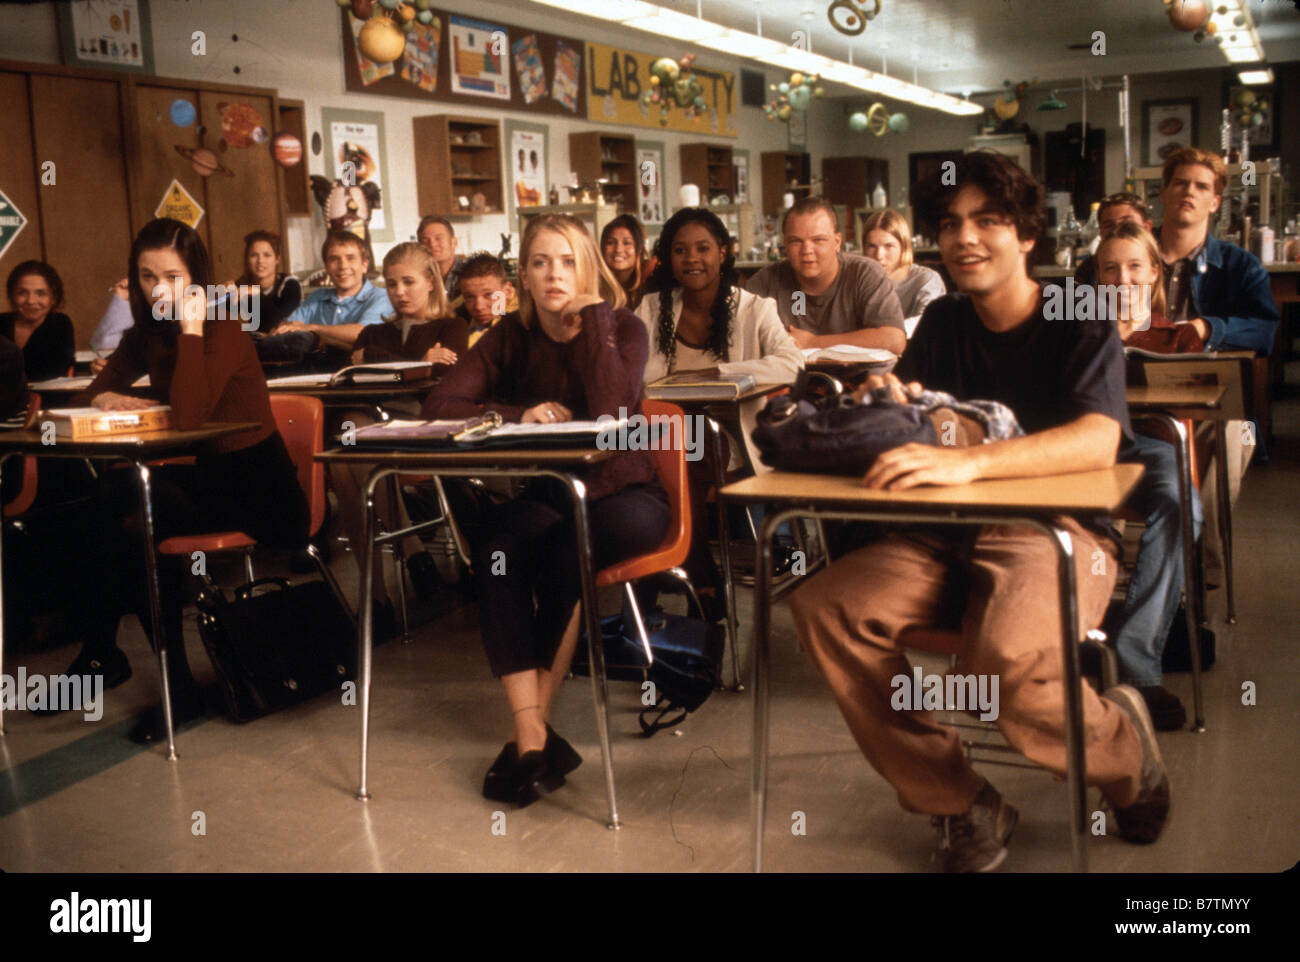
659	723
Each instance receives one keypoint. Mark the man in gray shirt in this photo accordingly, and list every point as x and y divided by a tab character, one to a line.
825	296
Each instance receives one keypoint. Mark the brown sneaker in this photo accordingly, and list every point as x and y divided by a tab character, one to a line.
1142	821
977	840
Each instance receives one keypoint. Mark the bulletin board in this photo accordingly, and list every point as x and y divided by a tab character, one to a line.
461	59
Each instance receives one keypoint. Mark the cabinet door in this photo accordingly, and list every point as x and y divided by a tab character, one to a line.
86	217
19	175
250	200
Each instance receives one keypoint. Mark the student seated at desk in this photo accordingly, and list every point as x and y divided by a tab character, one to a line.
419	329
279	294
827	297
332	316
570	353
485	294
1129	259
1065	384
887	239
622	245
699	319
35	324
207	370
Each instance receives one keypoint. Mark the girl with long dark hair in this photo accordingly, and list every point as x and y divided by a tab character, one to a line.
206	369
622	245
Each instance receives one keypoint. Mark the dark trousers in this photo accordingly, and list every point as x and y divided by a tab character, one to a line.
526	564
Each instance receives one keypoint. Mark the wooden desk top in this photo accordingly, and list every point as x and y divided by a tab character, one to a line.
485	458
119	445
1083	493
1208	396
758	390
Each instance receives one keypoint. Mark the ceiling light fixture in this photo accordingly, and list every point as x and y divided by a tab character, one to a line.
1256	76
665	23
1235	32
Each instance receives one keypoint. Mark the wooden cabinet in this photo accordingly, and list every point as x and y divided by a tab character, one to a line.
295	180
458	158
711	169
594	155
850	181
781	171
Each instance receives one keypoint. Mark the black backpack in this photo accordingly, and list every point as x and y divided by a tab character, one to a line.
687	663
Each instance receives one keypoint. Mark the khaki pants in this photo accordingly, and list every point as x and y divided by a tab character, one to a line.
850	615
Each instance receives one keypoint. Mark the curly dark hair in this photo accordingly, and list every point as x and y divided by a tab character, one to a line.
723	309
1009	188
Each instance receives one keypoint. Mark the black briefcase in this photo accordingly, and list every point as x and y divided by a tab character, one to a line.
276	645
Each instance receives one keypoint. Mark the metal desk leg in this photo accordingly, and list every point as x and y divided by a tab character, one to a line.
155	608
724	543
595	647
365	618
1225	514
1074	752
762	645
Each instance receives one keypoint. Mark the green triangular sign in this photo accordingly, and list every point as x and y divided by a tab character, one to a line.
12	222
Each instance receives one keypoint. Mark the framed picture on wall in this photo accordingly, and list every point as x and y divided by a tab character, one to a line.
928	163
357	137
109	34
1167	125
526	154
650	181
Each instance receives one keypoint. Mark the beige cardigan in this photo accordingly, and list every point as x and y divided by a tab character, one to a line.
760	345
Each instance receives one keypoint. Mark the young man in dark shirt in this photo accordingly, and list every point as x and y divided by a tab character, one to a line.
1065	383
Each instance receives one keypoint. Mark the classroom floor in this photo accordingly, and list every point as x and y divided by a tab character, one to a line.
277	794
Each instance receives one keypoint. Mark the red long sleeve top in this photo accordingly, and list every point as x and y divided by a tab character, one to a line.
216	377
512	368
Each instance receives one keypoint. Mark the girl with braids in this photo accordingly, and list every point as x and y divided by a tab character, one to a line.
701	320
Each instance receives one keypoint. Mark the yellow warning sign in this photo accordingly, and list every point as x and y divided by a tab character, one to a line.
179	204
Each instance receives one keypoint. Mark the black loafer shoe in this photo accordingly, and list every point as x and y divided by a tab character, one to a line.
560	755
1167	712
498	783
113	666
533	778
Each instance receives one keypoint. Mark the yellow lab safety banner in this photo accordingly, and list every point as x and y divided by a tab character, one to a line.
618	79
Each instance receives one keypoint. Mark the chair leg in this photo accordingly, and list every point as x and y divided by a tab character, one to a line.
248	567
314	553
640	623
399	560
680	575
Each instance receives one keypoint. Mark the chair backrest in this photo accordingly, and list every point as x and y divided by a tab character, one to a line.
672	466
27	493
301	421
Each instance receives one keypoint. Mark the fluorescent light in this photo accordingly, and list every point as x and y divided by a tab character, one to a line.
1264	76
1246	48
665	23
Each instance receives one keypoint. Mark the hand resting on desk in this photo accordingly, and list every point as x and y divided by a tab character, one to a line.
112	401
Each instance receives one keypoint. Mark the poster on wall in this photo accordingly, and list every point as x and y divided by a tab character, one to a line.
616	79
526	155
478	58
420	60
179	204
106	33
649	167
1167	125
356	137
454	59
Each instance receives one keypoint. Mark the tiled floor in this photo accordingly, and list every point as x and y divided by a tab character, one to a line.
277	794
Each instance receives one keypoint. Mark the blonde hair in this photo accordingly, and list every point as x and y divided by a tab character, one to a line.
892	222
417	254
592	274
1127	230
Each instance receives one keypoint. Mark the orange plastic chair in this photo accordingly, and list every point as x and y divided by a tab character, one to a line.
27	493
671	553
301	421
